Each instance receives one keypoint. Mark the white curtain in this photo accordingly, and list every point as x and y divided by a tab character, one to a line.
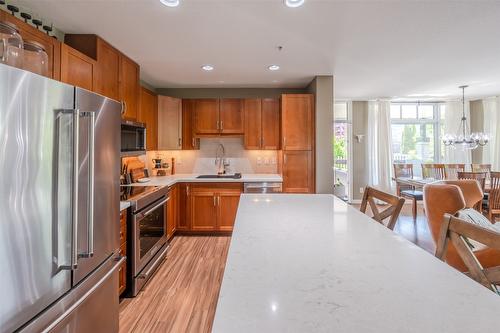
452	119
491	123
379	145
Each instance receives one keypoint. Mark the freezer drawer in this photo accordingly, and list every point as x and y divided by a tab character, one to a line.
92	306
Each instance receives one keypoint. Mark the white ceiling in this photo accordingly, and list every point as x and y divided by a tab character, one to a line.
409	49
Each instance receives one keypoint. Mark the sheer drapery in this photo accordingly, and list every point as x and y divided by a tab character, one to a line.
379	145
491	124
452	119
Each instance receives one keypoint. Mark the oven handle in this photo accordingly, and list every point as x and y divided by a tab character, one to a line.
149	211
154	265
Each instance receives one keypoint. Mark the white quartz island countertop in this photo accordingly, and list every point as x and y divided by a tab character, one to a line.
191	178
311	263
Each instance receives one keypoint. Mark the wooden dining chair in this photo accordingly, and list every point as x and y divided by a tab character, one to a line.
460	233
494	196
392	212
479	176
404	190
480	167
451	170
432	170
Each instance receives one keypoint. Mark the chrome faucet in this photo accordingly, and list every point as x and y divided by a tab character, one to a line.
220	159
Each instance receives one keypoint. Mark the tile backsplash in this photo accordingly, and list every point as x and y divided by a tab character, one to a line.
203	160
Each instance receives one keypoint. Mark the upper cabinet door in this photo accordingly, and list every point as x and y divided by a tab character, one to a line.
297	121
231	116
76	68
149	115
252	109
206	116
189	142
270	124
129	87
169	123
108	70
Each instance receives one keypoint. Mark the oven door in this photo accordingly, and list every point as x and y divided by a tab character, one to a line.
149	232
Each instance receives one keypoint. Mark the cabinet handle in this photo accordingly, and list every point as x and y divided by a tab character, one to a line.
124	107
221	125
261	142
187	191
192	142
218	200
180	143
284	159
218	128
284	142
215	199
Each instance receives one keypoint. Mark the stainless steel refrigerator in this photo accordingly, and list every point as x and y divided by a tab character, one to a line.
59	206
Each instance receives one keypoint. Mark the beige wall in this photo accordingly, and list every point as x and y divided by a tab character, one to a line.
227	92
359	149
322	87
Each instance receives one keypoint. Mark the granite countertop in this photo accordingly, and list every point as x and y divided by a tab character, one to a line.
311	263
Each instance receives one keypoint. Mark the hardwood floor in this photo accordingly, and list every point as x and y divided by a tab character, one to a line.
183	294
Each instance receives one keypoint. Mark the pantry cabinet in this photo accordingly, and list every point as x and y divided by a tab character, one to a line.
297	171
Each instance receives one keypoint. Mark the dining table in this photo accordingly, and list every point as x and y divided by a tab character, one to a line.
313	263
420	182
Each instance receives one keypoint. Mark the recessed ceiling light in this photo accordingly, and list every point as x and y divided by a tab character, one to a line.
294	3
170	3
273	67
207	68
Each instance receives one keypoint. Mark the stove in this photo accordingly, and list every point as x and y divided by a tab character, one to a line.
147	231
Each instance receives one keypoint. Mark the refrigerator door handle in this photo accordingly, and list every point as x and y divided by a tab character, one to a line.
119	261
76	155
90	216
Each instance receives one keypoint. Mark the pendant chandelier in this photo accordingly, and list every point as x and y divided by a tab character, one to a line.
464	138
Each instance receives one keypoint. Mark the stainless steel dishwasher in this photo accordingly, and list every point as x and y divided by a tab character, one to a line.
262	187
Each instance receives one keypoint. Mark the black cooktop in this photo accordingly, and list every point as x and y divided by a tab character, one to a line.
128	193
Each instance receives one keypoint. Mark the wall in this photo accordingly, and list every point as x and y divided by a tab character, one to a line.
360	175
227	92
203	161
322	87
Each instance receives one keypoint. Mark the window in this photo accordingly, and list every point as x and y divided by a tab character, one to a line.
416	131
340	129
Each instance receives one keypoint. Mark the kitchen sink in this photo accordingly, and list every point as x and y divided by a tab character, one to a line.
235	176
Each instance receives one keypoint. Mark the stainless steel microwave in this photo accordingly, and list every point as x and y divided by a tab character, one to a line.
133	136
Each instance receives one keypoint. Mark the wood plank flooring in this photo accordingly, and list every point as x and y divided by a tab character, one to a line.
182	296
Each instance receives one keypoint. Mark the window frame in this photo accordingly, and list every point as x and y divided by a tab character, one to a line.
435	121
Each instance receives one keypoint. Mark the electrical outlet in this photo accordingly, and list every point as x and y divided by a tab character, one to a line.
266	161
259	160
273	160
361	190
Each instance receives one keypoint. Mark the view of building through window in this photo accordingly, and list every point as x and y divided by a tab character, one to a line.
416	129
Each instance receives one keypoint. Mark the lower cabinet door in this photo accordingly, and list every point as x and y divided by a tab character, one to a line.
228	206
297	172
203	211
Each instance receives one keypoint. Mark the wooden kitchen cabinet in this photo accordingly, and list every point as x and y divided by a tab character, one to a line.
169	123
206	116
203	210
76	68
129	87
122	271
184	217
107	76
297	121
227	201
172	211
189	142
148	114
213	206
51	45
262	123
231	116
298	172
